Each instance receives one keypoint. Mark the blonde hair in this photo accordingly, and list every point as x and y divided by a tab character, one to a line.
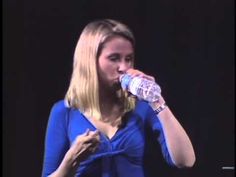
83	91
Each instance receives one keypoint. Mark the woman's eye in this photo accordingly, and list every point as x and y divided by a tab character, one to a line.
129	59
114	57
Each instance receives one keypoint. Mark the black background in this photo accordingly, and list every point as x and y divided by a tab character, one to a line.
187	45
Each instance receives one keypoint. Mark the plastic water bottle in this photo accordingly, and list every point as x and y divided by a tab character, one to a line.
142	88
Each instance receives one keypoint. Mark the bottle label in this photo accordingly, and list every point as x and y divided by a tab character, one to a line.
134	84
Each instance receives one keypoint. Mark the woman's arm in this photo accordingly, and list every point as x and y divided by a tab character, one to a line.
61	159
83	146
179	145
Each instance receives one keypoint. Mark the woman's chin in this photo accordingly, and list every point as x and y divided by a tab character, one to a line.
116	86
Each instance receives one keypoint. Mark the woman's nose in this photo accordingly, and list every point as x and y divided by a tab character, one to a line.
122	67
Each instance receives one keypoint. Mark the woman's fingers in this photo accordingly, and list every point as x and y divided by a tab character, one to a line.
85	144
93	136
135	73
87	138
149	77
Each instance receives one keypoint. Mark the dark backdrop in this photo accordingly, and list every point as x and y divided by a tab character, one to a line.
187	45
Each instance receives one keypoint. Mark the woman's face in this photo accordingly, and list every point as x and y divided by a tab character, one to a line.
115	59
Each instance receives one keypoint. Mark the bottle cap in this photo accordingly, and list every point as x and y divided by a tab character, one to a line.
124	80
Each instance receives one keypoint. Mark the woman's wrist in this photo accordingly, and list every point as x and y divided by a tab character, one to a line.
158	105
68	166
160	108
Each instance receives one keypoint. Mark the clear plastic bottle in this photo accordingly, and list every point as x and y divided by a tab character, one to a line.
142	88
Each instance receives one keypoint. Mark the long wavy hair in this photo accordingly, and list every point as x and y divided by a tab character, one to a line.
83	91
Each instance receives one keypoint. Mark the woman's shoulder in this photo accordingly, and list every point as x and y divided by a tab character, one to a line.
59	112
60	107
61	104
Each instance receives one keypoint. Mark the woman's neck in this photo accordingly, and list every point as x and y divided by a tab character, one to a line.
110	105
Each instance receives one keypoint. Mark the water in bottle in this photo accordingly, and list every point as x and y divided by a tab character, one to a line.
142	88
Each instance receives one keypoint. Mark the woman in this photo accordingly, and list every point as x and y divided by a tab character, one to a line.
100	129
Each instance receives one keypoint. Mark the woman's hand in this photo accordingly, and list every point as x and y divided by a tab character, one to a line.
134	72
83	146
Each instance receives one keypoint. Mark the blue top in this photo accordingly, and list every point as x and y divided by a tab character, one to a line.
120	156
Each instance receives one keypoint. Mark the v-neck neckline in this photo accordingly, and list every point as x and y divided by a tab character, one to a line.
100	132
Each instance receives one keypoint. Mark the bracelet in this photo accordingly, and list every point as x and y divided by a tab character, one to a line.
160	108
